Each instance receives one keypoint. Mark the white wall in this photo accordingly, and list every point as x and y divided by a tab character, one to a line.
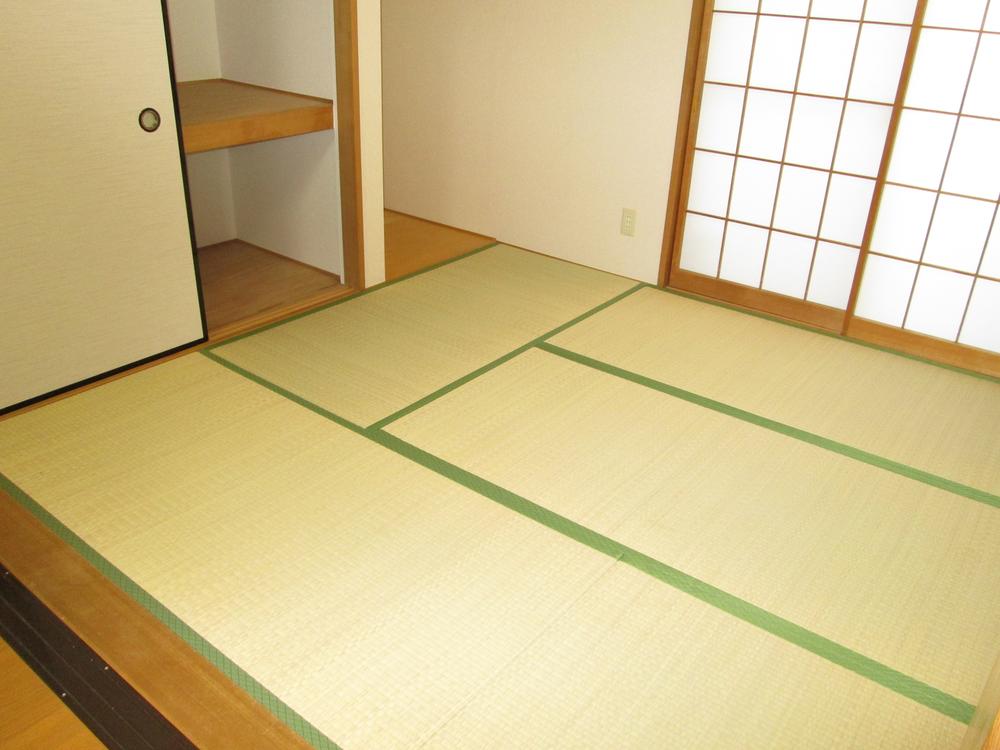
536	122
281	195
195	38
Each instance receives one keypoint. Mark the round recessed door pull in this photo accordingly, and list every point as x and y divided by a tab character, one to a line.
149	119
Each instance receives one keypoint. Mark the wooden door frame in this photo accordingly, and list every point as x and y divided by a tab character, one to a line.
348	105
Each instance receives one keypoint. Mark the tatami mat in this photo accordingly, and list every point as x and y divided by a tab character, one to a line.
369	594
915	413
904	573
371	356
392	608
635	664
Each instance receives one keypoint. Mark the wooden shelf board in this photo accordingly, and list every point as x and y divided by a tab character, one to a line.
219	113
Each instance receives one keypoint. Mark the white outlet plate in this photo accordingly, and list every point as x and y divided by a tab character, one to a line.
628	222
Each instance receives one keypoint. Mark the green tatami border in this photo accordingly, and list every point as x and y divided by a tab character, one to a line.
909	687
500	360
805	436
241	678
349	297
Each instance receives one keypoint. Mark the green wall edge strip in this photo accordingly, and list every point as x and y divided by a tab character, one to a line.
857	454
500	360
278	708
349	297
822	332
898	682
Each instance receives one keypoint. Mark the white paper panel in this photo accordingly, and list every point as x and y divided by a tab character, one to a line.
991	261
729	48
710	178
885	290
862	138
904	217
776	55
939	299
787	7
743	256
833	275
974	166
958	14
983	97
847	208
958	233
753	191
941	69
850	9
765	124
982	321
702	244
813	135
719	119
879	62
921	148
993	17
800	200
737	5
891	11
788	261
826	63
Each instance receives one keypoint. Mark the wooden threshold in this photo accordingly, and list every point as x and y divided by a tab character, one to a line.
218	113
98	696
412	243
939	350
809	313
187	690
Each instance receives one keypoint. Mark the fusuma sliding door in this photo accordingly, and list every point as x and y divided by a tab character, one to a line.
96	262
831	136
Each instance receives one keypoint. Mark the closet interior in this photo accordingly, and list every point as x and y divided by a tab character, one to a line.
255	87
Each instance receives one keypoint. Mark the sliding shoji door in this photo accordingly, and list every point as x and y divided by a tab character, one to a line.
794	109
933	265
843	169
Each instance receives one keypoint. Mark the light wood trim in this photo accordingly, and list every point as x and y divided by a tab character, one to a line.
192	694
219	113
272	316
697	52
810	313
692	135
959	355
883	171
993	741
345	23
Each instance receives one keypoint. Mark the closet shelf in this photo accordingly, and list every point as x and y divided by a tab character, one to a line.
219	113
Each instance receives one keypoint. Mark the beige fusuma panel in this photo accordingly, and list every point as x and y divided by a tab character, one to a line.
96	267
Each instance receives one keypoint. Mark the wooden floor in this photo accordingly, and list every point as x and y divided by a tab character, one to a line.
245	286
412	244
32	716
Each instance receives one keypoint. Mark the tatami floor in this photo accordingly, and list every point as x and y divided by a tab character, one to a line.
514	502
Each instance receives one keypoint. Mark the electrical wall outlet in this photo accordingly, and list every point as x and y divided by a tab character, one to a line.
628	222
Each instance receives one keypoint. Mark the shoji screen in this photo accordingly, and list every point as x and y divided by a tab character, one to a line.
794	111
934	262
843	169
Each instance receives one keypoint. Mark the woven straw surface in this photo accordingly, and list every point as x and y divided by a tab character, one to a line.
902	572
921	415
369	357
